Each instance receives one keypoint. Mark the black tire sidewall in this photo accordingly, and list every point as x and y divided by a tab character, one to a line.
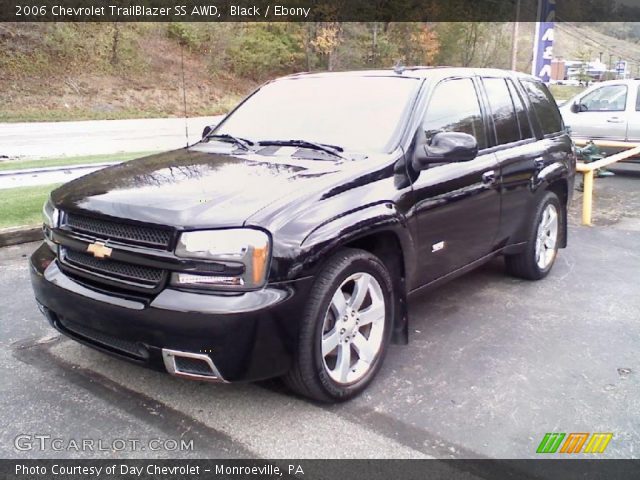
364	263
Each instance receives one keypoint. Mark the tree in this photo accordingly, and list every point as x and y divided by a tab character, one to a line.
326	40
583	55
114	43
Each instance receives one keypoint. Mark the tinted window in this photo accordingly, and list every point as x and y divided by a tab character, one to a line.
454	107
521	112
612	98
544	106
502	110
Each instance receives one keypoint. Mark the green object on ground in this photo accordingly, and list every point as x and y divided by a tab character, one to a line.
589	153
23	205
64	161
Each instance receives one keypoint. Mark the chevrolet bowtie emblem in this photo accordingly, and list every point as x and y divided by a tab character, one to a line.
99	250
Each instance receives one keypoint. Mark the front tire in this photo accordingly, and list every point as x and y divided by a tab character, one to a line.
540	252
345	329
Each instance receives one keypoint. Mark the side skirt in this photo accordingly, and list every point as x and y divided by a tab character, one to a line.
467	268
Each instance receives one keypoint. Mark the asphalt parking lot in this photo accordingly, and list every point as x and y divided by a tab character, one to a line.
493	364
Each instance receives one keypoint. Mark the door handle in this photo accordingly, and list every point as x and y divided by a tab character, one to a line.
615	120
489	177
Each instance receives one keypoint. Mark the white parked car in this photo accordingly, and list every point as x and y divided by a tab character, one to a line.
605	111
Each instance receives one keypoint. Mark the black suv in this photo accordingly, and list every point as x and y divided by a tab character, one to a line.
289	240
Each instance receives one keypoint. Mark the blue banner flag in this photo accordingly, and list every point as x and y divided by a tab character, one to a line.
543	43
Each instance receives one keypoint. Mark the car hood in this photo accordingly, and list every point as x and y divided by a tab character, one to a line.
191	188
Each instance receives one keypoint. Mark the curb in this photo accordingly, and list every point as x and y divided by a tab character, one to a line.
81	166
22	234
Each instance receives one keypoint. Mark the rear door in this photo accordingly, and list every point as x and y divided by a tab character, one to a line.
552	146
633	127
518	152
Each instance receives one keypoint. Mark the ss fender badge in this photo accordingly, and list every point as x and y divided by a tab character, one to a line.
99	250
436	247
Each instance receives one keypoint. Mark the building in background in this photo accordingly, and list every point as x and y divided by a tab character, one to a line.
580	72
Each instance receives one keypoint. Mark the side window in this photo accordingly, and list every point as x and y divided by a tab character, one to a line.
611	98
454	107
521	112
544	106
502	110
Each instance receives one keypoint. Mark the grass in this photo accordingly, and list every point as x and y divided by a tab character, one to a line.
564	92
30	114
23	205
64	115
64	161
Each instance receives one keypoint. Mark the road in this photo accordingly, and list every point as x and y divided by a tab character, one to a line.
94	137
493	364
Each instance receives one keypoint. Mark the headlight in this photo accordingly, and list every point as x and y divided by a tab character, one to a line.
50	214
243	252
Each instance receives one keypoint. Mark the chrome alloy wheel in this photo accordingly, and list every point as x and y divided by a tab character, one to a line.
353	328
547	237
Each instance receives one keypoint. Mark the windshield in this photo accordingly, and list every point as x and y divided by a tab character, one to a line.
355	113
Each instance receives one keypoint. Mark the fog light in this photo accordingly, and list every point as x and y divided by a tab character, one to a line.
193	280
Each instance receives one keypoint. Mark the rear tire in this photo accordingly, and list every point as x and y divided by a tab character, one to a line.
345	328
539	255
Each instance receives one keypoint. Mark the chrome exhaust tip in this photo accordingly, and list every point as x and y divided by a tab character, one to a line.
194	366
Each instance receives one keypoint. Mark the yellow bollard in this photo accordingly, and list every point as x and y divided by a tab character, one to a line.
587	197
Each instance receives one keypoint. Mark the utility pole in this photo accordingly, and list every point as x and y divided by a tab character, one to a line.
514	40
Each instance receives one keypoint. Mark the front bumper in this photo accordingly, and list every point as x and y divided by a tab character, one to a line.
248	336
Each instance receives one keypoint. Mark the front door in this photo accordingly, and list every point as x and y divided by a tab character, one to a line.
457	205
602	113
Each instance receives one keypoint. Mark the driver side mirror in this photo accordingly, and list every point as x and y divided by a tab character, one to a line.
207	130
578	106
446	147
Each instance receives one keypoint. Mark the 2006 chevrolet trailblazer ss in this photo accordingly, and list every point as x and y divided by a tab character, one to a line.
288	241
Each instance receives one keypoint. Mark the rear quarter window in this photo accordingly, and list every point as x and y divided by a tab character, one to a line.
544	106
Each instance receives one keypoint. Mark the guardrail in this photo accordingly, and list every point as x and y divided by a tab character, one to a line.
587	170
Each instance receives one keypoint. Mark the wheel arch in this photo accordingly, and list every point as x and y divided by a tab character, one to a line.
386	246
383	232
560	187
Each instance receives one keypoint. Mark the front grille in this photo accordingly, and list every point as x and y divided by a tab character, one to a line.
103	339
105	229
138	274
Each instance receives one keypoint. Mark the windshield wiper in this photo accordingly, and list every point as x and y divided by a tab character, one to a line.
241	142
322	147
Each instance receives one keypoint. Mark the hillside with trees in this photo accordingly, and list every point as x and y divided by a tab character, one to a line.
63	71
